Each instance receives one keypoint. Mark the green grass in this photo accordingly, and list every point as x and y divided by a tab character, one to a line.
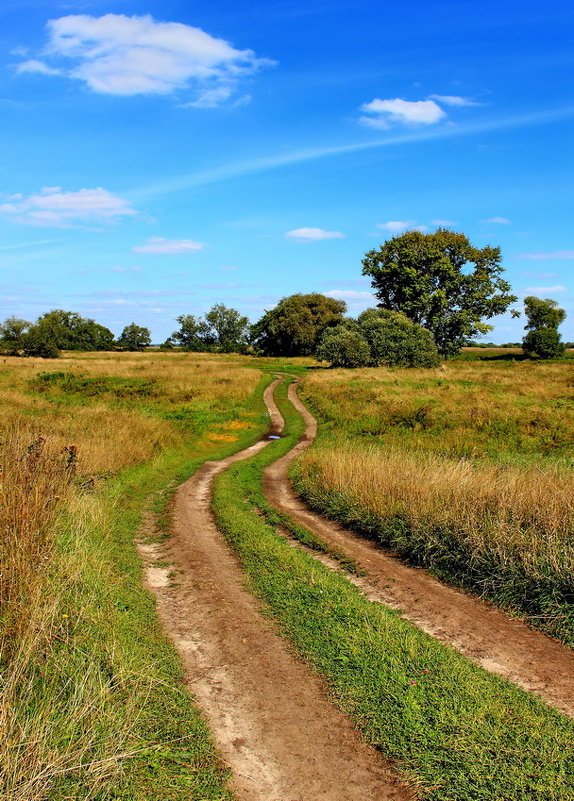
107	660
459	733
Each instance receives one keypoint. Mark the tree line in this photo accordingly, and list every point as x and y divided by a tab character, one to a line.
435	293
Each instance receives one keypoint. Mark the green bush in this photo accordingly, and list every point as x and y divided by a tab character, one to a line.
545	343
396	341
343	347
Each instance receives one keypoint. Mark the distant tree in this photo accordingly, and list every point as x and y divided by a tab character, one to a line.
227	327
396	341
441	282
13	334
193	333
543	318
69	331
294	327
134	337
344	347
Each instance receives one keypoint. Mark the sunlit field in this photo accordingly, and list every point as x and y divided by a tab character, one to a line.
466	469
87	442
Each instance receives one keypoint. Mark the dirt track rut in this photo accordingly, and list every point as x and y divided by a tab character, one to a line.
272	720
486	635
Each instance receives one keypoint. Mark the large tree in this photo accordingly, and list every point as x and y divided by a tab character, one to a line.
295	325
68	330
440	281
222	329
134	337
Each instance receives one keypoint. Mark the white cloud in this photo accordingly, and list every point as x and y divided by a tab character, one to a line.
55	208
397	111
453	100
35	66
313	235
396	226
557	254
157	244
541	290
121	55
498	221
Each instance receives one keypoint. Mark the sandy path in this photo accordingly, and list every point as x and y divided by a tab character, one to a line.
270	715
486	635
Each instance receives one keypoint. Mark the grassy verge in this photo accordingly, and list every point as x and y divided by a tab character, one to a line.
458	732
93	701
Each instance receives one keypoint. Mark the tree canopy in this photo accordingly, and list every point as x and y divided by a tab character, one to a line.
134	337
295	325
441	282
221	329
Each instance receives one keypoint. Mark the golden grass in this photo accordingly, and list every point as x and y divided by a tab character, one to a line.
524	514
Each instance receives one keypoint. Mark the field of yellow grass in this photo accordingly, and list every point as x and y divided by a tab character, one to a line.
467	470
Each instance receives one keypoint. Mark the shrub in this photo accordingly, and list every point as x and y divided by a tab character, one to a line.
396	341
343	347
544	343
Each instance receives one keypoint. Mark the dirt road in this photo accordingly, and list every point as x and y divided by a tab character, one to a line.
270	715
486	635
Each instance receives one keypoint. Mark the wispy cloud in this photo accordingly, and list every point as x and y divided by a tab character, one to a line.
497	221
312	235
556	254
454	100
444	223
396	226
157	244
277	160
384	113
541	290
122	55
55	208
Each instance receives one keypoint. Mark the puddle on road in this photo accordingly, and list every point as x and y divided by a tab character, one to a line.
273	436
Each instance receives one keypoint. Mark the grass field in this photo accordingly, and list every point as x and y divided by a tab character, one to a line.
93	705
466	470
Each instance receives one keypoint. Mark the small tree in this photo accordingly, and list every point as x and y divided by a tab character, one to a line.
542	338
134	337
295	326
227	327
441	282
13	334
343	347
396	341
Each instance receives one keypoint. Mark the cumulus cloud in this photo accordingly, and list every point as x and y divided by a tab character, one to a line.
312	235
498	221
557	254
453	100
384	113
122	55
53	207
157	244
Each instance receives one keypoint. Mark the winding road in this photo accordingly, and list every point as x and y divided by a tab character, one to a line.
271	716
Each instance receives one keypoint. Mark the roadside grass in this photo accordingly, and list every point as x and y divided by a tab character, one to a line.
443	484
458	732
93	701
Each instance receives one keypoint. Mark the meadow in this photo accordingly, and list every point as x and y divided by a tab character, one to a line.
466	470
93	704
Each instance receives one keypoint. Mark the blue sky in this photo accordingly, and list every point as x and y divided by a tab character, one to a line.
159	158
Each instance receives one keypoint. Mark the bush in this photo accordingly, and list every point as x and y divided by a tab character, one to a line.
544	343
343	347
395	341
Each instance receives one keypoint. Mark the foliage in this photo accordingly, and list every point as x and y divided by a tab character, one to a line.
396	341
222	329
69	331
134	337
13	334
441	282
343	347
543	318
294	327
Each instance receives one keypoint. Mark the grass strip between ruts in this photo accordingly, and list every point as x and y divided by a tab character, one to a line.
458	732
109	633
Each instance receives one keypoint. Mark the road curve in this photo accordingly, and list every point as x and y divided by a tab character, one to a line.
273	723
486	635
